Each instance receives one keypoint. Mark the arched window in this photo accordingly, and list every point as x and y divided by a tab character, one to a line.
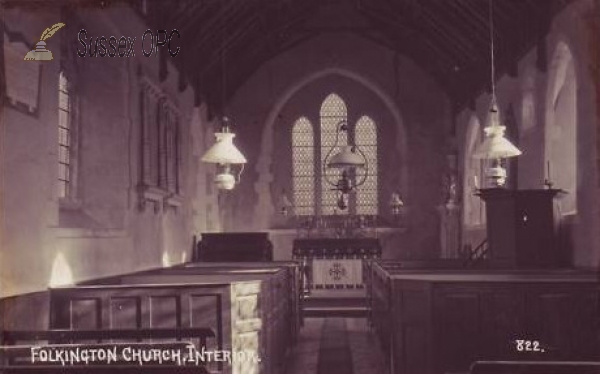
303	167
311	192
333	111
365	137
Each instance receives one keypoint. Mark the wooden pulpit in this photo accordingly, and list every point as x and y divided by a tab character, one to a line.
522	228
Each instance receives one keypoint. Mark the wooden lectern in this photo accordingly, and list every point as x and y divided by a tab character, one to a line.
522	228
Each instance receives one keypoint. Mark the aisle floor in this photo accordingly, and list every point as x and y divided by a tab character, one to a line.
336	345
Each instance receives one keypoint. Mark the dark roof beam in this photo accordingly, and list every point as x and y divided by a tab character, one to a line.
447	35
218	25
375	17
220	52
478	25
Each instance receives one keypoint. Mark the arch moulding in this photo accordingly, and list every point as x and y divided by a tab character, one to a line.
264	208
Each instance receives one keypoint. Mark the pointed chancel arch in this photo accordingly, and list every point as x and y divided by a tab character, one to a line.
303	167
333	112
265	209
365	137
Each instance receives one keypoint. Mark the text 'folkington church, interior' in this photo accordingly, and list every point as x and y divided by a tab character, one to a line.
300	186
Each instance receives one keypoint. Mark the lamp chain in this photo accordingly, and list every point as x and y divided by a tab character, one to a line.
334	147
493	70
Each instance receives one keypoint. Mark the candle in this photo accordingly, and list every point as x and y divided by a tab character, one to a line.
476	181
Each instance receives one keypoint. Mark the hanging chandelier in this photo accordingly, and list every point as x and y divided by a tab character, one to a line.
347	161
495	147
224	153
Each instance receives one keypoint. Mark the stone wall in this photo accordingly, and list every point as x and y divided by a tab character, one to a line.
411	112
43	240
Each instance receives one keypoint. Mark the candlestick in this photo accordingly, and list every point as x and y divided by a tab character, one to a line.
547	181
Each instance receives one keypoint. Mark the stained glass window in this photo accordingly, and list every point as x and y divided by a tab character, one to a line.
303	167
333	112
309	176
365	138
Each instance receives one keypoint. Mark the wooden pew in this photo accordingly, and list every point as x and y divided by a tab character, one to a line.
247	306
378	288
32	351
275	312
439	321
535	367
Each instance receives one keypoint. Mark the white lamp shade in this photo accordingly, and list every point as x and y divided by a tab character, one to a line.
224	151
495	145
346	158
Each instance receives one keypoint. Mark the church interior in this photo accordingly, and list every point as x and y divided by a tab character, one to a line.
300	186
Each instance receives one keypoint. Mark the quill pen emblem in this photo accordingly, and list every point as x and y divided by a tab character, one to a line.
40	53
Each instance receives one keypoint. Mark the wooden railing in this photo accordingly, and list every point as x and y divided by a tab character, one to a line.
477	255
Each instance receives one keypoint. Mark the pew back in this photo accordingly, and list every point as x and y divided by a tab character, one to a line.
535	367
379	288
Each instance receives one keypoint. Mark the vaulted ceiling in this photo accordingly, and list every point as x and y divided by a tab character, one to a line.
226	41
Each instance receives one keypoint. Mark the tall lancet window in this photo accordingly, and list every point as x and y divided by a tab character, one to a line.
303	167
65	138
365	137
333	111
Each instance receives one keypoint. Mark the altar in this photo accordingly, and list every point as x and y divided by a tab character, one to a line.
334	263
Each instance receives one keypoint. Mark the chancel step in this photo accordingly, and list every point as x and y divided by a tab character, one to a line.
325	304
346	312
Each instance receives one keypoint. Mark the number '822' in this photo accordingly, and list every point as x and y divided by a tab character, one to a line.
523	345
